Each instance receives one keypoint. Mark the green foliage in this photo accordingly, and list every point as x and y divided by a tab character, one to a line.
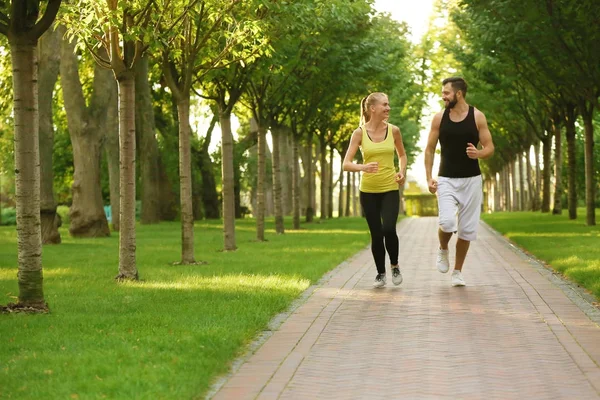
9	216
63	211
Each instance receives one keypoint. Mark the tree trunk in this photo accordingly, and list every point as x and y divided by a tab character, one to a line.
49	65
127	238
515	195
538	178
260	185
285	171
571	163
546	154
228	193
87	130
330	184
277	196
27	172
147	145
522	196
341	192
558	162
496	187
590	181
323	178
530	183
111	146
295	183
185	182
355	191
309	179
348	192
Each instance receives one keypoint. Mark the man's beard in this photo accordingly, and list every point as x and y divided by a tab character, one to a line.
451	104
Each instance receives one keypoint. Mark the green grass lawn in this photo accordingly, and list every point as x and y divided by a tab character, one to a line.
170	335
568	246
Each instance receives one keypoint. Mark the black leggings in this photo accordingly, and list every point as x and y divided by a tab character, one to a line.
381	211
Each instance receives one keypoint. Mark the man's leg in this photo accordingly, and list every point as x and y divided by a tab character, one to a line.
462	247
444	238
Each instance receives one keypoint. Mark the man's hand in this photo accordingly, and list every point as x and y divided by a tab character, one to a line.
472	152
371	167
432	186
400	179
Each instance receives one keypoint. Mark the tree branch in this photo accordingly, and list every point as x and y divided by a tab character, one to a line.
47	19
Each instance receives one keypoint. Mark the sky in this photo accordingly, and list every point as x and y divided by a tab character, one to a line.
416	14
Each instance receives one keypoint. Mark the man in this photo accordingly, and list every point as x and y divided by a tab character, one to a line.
459	129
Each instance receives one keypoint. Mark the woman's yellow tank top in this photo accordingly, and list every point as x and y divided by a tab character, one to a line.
384	180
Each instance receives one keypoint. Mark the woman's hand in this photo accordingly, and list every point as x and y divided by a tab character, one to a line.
371	167
400	179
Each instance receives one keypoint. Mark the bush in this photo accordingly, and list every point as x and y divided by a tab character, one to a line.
8	216
63	211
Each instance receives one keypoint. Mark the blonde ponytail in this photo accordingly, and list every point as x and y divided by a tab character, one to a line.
364	115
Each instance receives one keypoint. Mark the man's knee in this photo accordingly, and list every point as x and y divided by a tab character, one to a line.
447	225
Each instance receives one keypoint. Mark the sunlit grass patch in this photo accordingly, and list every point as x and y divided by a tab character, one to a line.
168	335
568	246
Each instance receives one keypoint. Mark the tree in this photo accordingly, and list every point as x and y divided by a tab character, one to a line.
21	24
123	29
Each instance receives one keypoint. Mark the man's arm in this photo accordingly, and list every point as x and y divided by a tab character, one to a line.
432	141
485	138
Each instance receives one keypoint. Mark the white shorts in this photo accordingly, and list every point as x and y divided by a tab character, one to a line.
462	198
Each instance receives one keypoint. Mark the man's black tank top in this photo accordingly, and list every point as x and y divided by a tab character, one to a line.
454	137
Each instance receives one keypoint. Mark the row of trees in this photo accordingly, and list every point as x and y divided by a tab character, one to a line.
133	72
535	71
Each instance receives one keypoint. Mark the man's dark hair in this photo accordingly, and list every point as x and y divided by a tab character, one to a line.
457	83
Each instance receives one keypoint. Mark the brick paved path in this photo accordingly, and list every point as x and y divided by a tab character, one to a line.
509	334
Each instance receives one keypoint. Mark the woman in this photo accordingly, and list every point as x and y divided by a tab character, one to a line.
379	195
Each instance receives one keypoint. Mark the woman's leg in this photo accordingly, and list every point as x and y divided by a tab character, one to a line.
390	207
371	204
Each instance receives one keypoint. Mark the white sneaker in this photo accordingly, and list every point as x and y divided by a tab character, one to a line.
379	281
457	279
443	265
396	276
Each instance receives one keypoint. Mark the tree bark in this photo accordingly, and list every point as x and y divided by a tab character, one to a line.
530	183
341	192
546	154
27	172
522	196
330	184
571	163
49	65
538	178
260	185
87	130
147	145
185	182
590	181
558	162
323	177
111	147
285	170
296	182
228	193
348	192
127	238
277	196
309	179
